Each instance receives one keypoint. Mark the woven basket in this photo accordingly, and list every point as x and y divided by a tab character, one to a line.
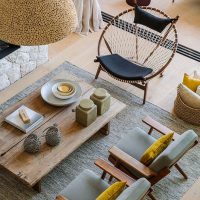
185	112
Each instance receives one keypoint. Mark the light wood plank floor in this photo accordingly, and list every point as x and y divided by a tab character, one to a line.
193	193
81	51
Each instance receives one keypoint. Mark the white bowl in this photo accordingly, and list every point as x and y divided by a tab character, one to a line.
48	96
62	95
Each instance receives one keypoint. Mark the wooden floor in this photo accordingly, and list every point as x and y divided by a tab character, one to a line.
193	193
81	51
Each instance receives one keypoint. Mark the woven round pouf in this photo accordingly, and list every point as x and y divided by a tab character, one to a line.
53	135
185	112
32	144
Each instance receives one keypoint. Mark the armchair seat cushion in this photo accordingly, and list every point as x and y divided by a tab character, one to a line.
86	186
136	142
123	69
174	151
136	191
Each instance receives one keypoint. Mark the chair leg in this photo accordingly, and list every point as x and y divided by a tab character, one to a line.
98	72
150	130
145	93
181	171
151	196
103	175
37	187
110	179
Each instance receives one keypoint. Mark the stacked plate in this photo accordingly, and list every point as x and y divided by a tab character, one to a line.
61	92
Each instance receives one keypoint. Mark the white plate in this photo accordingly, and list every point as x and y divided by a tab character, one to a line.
48	96
57	93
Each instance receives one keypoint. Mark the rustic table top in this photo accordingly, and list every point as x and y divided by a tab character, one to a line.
31	168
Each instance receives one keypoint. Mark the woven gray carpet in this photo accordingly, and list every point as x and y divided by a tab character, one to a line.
170	188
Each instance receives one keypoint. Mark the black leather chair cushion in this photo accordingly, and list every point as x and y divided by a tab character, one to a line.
121	68
149	20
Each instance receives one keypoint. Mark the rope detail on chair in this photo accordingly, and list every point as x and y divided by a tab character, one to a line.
138	43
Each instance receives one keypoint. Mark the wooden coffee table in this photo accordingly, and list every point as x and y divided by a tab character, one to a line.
31	168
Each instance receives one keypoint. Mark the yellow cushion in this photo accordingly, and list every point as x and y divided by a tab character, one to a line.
191	82
112	192
156	148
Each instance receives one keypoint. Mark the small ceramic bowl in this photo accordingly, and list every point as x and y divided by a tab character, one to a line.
64	90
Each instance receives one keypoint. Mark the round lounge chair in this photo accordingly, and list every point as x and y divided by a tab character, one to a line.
137	45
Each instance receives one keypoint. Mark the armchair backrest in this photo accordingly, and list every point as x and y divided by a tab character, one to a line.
136	191
174	151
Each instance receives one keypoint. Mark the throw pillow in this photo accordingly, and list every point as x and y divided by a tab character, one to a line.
156	149
198	90
189	97
196	74
112	192
191	82
149	20
136	191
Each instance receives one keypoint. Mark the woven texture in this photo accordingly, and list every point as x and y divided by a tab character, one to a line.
32	144
170	188
185	112
53	136
138	43
36	22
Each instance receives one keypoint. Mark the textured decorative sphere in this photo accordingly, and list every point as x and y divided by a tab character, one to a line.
32	144
36	22
53	136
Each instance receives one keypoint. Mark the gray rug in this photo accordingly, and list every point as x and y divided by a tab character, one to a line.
170	188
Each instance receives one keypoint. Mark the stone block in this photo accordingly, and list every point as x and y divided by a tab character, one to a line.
14	73
28	67
33	56
21	62
5	65
12	57
22	58
34	48
4	81
25	49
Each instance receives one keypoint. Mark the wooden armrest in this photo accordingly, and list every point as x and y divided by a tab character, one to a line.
132	162
113	171
158	127
61	198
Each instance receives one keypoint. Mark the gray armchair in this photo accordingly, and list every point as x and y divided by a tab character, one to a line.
127	153
88	185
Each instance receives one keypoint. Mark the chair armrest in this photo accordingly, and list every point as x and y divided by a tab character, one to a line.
61	198
114	172
132	162
158	127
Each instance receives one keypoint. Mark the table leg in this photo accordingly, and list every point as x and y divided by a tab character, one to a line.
106	129
37	186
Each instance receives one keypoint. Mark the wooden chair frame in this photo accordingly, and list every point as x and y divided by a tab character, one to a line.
115	173
143	85
120	159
